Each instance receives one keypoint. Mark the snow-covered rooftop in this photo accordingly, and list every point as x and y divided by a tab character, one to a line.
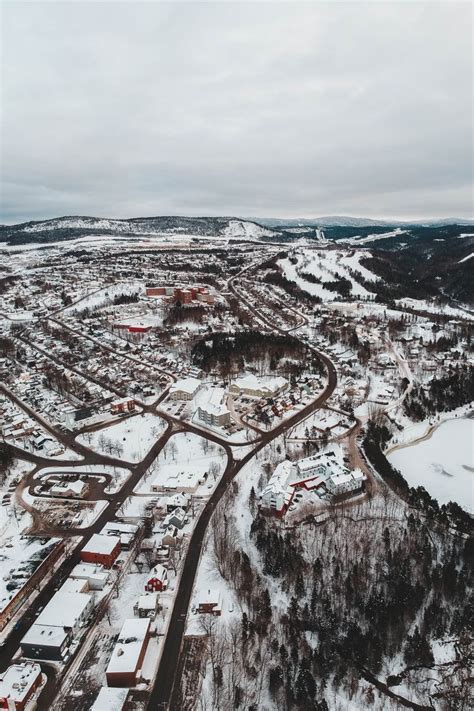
50	635
64	609
99	543
125	657
18	680
110	699
187	385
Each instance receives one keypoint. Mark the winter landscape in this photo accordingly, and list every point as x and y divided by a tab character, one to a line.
236	448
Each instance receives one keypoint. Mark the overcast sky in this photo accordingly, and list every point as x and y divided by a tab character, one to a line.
123	109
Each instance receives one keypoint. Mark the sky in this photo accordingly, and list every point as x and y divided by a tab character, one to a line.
270	109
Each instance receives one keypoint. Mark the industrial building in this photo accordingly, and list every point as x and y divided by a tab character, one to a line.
129	652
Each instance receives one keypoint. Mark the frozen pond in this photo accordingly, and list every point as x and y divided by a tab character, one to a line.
443	463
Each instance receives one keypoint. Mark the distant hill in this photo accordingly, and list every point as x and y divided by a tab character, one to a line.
347	221
72	227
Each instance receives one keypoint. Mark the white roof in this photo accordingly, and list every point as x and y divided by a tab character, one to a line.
210	596
280	478
74	585
159	572
110	699
215	405
77	487
129	645
64	609
86	571
18	679
339	479
252	382
49	635
148	601
186	385
120	527
101	544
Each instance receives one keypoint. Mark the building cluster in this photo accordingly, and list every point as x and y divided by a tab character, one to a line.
322	474
182	294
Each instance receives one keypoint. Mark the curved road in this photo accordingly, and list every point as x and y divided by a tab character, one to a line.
167	673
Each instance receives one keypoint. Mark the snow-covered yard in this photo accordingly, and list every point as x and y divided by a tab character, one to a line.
185	454
133	437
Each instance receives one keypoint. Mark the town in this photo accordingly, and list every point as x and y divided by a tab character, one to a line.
134	399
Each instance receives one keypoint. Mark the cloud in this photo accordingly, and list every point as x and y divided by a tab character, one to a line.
270	109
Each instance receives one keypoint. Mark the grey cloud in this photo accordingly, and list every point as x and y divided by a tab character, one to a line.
292	109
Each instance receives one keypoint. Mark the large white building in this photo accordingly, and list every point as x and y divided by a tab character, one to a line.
185	389
253	386
277	494
344	483
213	411
322	470
57	625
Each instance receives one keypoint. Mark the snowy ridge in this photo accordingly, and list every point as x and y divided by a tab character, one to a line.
373	238
87	223
242	228
68	227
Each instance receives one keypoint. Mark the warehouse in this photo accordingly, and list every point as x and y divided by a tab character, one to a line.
101	549
129	652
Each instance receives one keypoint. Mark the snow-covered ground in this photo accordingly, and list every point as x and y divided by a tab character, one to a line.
373	238
185	454
353	262
325	265
422	305
443	463
135	435
105	296
242	228
290	271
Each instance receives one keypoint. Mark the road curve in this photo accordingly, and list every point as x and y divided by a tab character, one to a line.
167	672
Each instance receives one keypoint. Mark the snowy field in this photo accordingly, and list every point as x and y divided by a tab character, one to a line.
134	435
185	454
422	305
105	296
442	463
325	266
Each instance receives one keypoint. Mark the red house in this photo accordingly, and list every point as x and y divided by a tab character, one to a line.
101	549
211	603
158	580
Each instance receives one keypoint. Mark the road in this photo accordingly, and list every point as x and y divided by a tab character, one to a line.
11	645
167	673
165	679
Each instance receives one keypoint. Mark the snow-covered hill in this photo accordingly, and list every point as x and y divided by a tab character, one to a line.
249	230
72	227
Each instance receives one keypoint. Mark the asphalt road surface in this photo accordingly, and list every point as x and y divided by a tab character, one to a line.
165	679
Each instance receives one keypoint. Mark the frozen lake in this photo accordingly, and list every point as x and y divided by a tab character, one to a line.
443	463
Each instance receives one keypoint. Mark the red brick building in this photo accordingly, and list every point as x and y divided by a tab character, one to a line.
129	652
101	549
156	290
18	684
